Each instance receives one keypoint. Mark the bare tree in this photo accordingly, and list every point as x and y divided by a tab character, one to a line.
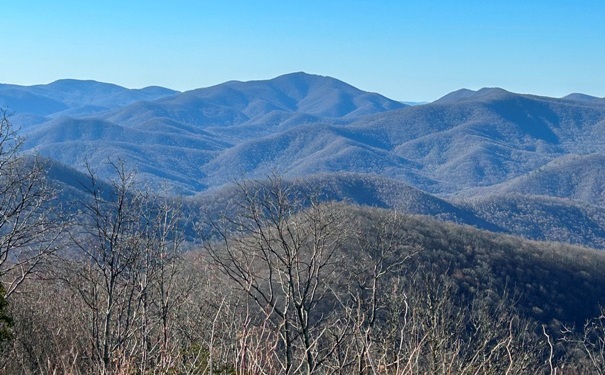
163	284
128	246
281	248
382	251
29	226
432	329
586	350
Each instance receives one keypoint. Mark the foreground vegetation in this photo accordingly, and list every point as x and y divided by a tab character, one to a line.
278	282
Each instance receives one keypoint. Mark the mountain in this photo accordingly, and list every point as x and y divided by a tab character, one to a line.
584	98
303	151
33	105
257	107
183	139
465	140
541	218
564	281
319	96
361	189
487	137
514	163
533	217
17	99
77	94
466	95
156	156
576	177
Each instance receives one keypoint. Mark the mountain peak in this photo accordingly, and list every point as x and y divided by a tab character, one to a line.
300	75
578	97
307	79
300	92
466	95
69	84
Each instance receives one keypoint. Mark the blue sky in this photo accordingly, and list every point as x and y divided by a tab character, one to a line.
404	50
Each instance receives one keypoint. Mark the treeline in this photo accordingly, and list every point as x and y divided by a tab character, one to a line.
278	282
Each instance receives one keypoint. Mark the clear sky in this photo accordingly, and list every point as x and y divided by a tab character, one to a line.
416	51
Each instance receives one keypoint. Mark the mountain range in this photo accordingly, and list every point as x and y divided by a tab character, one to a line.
516	163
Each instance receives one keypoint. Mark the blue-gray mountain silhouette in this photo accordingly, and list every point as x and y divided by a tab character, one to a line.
473	156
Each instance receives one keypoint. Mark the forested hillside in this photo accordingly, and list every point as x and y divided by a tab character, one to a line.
299	225
281	282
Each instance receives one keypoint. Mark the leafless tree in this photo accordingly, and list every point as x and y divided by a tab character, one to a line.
381	253
437	331
281	248
163	283
128	248
29	226
585	351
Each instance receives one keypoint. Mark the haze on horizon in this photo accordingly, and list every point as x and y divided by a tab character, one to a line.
417	51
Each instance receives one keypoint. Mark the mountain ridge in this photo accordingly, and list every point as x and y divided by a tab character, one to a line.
506	149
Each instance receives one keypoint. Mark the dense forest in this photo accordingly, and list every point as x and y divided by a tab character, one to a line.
278	281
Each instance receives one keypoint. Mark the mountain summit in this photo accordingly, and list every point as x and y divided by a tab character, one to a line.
297	92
